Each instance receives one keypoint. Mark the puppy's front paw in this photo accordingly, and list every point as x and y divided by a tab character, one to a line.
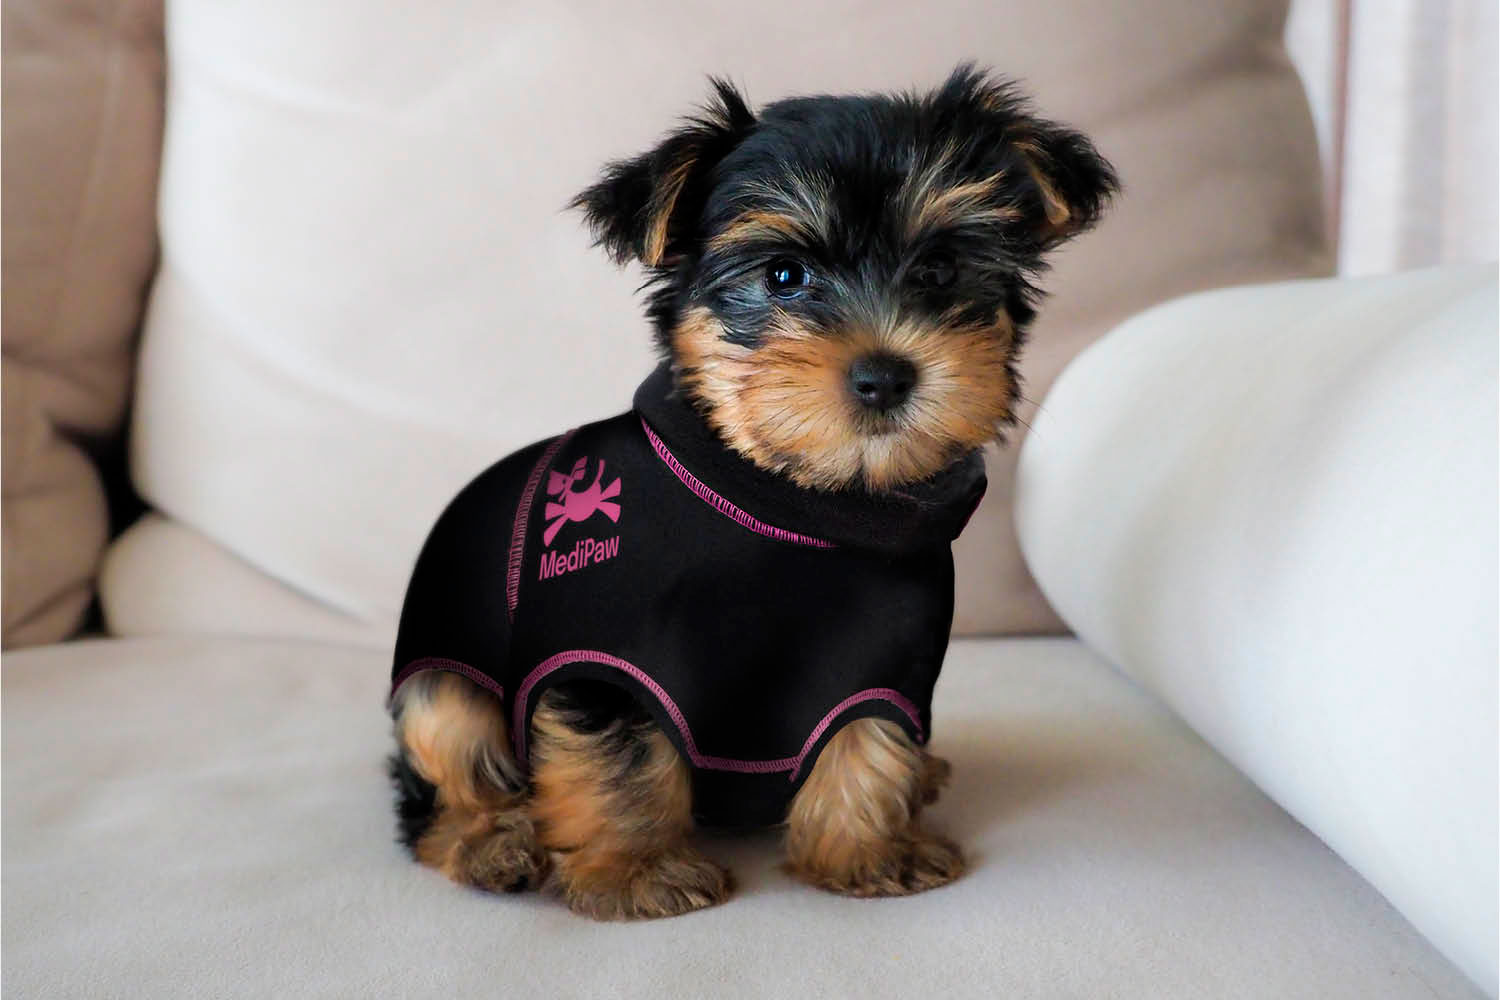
666	884
926	861
907	864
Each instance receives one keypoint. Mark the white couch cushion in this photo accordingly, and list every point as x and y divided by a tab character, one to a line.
209	818
163	578
1276	508
369	290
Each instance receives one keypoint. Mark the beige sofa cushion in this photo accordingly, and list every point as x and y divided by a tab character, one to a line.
216	825
82	135
369	291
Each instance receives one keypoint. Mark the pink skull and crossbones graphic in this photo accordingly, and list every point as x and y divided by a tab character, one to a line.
577	506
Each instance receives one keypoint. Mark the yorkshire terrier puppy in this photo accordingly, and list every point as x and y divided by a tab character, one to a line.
730	604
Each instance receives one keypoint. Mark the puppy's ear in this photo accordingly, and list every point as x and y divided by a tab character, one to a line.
1071	181
1064	184
645	208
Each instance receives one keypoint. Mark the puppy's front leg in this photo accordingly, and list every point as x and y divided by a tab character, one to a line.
613	805
853	827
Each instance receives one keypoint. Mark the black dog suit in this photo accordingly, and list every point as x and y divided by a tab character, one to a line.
753	618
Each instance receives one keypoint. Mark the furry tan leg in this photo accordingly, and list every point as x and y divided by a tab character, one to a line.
853	826
452	733
613	805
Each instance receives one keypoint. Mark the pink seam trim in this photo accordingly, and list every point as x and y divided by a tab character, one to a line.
792	764
518	530
452	666
723	505
885	694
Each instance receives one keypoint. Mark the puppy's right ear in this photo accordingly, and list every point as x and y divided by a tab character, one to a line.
645	208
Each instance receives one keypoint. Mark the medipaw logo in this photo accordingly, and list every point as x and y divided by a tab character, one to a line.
572	505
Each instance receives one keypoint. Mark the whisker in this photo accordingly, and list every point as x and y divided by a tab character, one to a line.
1034	402
1026	424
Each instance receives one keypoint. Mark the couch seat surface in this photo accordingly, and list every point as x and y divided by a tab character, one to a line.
208	818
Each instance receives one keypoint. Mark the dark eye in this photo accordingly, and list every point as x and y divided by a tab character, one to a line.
936	270
787	278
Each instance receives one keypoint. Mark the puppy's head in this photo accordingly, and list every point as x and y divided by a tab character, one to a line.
843	283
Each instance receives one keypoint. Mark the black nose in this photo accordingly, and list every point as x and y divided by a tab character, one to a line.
882	382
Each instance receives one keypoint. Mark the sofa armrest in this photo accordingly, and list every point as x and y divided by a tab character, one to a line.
1275	507
83	108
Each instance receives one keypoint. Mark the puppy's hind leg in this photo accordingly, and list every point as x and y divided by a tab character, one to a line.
461	799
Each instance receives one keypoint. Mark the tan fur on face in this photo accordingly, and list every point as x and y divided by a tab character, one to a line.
453	734
799	197
932	203
617	829
760	225
786	404
852	827
934	206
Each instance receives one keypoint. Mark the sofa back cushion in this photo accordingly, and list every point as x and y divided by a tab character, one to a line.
369	289
82	141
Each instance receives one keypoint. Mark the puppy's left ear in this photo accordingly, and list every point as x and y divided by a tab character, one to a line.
1071	183
645	208
1057	179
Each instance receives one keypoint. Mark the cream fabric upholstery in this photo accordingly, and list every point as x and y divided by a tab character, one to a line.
1276	508
216	824
82	140
141	588
369	291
